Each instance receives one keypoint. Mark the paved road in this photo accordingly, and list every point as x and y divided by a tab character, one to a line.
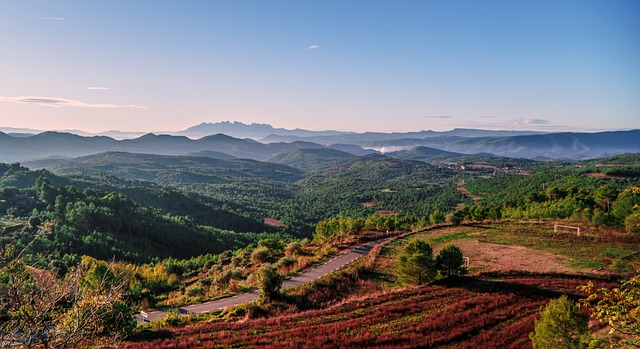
308	276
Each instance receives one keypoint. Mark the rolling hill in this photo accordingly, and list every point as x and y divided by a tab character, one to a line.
436	156
553	146
176	169
308	159
57	145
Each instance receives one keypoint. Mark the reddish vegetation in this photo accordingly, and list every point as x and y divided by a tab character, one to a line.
273	222
464	191
495	311
608	165
597	175
478	166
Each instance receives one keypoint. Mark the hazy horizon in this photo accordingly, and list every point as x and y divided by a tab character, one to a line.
10	130
379	66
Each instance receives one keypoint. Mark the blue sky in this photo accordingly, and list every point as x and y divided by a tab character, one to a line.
345	65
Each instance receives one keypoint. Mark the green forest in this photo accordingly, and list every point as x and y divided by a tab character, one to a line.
180	230
141	213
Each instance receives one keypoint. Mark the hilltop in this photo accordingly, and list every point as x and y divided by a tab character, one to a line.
52	146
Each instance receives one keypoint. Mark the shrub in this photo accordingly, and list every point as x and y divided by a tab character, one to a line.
269	282
194	290
294	248
260	255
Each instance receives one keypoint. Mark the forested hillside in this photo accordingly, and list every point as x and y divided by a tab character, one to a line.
332	183
98	194
186	229
51	147
601	191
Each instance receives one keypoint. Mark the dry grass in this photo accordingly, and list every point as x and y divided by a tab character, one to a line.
526	246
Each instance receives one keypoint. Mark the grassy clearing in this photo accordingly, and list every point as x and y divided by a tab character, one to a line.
531	246
458	235
593	249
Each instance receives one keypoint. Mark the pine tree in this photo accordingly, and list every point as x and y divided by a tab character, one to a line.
449	261
561	326
415	263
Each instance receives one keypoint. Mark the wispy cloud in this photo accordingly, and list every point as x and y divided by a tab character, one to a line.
530	121
53	18
96	88
437	117
313	47
63	102
487	117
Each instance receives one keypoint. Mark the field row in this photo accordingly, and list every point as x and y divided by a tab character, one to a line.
495	312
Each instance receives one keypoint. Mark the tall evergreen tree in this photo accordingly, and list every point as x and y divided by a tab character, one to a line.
561	326
415	263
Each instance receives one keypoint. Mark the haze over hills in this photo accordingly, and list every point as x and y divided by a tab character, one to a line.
308	159
269	134
66	145
254	130
51	146
381	136
567	145
441	157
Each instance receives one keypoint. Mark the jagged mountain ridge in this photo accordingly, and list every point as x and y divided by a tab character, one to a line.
269	134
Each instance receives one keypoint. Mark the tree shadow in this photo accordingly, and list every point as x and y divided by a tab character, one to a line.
491	283
147	335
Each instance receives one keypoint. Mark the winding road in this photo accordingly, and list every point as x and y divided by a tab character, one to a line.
308	276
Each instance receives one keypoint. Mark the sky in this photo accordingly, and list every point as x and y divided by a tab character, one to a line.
349	65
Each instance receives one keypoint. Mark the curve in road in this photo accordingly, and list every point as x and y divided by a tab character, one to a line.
308	276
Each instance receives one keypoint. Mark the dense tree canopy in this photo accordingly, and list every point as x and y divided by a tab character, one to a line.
415	263
450	261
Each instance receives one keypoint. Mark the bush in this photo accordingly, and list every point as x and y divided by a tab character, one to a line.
195	290
269	282
294	248
260	255
632	223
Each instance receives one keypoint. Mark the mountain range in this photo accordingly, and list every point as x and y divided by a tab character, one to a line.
49	148
269	134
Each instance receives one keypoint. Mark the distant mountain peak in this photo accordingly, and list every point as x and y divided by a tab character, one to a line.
254	130
56	134
229	123
219	136
226	126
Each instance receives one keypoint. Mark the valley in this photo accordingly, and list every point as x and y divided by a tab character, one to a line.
319	174
185	234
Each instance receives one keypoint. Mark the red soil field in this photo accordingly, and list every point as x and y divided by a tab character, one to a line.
273	222
494	310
